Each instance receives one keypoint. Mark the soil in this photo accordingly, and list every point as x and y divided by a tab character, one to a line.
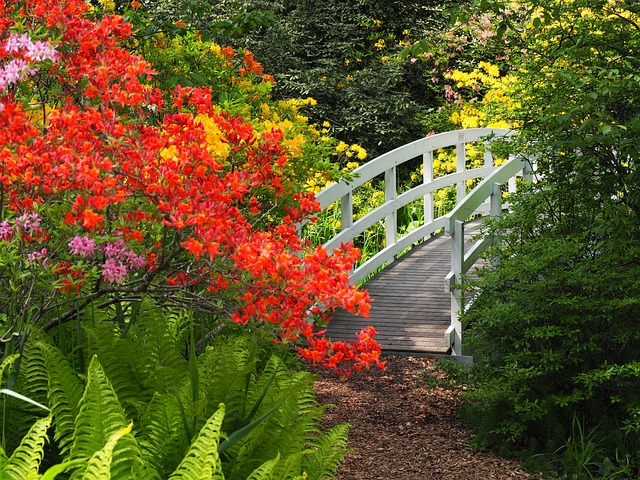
404	427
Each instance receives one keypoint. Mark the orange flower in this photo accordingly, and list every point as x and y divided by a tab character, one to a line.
193	246
91	219
135	4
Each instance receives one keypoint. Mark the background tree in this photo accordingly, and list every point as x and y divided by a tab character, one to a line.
344	56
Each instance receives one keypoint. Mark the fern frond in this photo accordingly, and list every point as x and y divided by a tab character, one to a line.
3	458
99	466
65	392
6	364
156	342
16	416
163	440
121	362
100	416
290	467
264	471
202	459
286	430
327	452
225	372
32	376
25	461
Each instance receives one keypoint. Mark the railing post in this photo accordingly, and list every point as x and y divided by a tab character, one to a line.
496	207
488	155
427	177
391	220
457	297
513	184
461	160
496	201
346	211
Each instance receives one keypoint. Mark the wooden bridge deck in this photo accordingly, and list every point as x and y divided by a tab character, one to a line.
410	309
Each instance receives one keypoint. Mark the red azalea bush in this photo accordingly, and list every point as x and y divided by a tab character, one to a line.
108	193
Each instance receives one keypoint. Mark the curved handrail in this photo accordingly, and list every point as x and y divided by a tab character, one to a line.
386	164
461	262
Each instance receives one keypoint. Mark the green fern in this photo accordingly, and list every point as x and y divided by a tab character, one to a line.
65	392
326	453
225	372
122	364
100	416
6	364
264	471
99	466
202	460
287	431
16	416
3	459
25	461
163	440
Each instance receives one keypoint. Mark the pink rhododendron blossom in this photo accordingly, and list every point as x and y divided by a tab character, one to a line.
29	222
35	256
82	246
135	260
113	271
15	71
115	249
6	232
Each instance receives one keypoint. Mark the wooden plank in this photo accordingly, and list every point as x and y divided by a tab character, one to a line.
410	309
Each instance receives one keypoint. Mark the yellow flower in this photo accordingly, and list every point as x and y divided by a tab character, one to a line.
352	165
341	147
491	69
326	124
377	23
359	151
107	5
215	48
379	45
385	59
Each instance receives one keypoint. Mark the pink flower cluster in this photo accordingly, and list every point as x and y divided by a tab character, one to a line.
17	69
120	259
37	256
6	232
29	222
82	246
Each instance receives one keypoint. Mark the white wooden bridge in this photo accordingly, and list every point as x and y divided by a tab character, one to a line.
416	303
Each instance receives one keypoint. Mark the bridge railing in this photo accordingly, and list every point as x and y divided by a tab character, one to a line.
490	189
387	165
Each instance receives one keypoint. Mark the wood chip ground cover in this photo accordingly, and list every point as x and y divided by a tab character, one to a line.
403	429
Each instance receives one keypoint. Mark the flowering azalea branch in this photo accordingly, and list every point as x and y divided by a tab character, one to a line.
115	193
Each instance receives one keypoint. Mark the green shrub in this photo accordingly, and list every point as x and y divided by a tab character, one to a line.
554	330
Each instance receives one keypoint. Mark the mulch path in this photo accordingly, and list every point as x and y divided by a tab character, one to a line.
404	430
